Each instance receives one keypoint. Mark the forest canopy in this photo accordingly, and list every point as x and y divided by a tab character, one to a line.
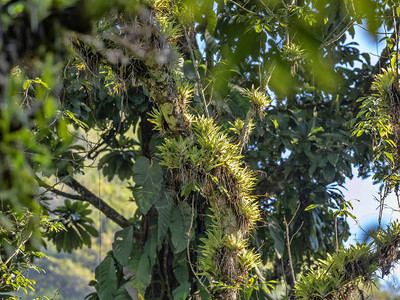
233	124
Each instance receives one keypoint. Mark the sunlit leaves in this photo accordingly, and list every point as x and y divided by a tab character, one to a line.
342	273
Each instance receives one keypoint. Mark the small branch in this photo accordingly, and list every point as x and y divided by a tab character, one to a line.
289	251
336	38
290	239
17	250
87	196
246	130
397	42
336	236
200	86
382	197
297	231
252	12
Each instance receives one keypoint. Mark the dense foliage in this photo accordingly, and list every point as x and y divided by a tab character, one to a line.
233	124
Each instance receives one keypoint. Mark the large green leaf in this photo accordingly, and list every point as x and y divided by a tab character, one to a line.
148	178
122	294
179	225
181	272
182	291
122	246
151	247
107	279
164	207
143	274
277	235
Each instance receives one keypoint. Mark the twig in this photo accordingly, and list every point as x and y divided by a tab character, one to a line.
199	85
246	130
250	11
336	236
382	197
289	251
336	38
397	44
290	239
17	250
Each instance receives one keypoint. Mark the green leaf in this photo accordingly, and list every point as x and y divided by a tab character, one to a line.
313	167
181	273
122	246
275	122
312	206
107	279
151	247
393	62
149	178
277	235
389	156
329	173
181	292
164	207
179	226
27	84
211	21
143	275
333	158
122	293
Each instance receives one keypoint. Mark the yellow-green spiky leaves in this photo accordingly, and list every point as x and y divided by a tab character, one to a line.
185	92
259	100
157	119
383	82
238	128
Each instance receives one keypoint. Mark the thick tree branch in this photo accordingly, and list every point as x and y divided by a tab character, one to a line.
98	203
88	196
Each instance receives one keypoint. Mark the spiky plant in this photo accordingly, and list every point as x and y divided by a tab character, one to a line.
342	274
207	161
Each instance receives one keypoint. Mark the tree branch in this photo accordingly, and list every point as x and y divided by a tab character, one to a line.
107	210
87	196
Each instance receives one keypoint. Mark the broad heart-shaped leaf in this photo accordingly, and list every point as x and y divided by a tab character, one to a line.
143	275
149	178
122	246
164	207
181	272
277	235
182	291
179	226
122	293
151	247
106	286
